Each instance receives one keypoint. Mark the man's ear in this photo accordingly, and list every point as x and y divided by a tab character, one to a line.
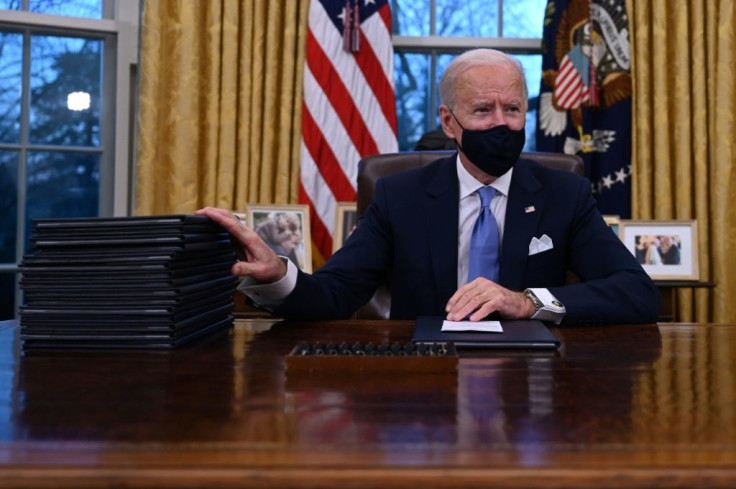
446	121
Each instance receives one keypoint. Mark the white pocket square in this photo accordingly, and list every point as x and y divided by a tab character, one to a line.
538	245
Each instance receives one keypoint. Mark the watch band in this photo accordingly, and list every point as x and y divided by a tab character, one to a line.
546	306
535	300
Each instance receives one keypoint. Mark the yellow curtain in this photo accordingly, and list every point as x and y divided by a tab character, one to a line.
219	118
684	150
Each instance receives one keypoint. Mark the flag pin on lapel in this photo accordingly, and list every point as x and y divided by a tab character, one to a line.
529	209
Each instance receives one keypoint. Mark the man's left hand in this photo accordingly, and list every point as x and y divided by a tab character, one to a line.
481	297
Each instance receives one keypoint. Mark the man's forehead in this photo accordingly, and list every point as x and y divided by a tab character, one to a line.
491	79
479	95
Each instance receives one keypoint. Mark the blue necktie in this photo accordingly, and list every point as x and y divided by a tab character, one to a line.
484	242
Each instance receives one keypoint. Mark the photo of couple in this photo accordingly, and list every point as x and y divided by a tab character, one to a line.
658	249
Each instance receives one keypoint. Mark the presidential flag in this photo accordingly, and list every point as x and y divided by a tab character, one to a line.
585	98
349	108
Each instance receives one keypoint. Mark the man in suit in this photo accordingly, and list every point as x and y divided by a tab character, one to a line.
417	234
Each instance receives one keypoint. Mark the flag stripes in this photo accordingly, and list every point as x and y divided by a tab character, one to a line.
570	89
349	106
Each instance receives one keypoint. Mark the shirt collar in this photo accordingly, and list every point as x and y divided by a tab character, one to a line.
468	184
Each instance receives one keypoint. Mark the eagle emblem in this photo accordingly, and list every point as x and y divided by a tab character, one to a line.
594	70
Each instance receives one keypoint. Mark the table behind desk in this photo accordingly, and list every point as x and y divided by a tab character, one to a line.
619	406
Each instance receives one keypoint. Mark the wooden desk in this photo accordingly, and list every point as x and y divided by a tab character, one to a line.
621	406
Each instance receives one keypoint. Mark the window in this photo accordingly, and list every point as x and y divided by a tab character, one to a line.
429	33
60	65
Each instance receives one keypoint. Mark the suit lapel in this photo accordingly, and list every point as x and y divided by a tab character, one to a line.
523	212
441	219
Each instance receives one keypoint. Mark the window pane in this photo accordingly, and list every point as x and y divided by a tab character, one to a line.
7	292
61	185
443	61
65	91
532	64
410	18
10	4
88	9
523	18
471	18
412	74
8	205
11	64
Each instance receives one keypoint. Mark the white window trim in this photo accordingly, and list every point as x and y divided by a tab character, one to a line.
509	44
125	28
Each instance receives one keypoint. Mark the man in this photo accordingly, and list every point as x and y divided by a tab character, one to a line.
417	233
669	251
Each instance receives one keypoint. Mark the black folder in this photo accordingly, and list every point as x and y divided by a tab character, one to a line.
127	282
517	333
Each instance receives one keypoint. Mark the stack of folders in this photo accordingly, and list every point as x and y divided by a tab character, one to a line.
131	282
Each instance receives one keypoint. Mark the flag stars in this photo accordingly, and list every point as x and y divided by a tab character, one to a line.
621	176
607	181
341	16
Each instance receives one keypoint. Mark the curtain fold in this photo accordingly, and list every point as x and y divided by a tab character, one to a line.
684	133
217	122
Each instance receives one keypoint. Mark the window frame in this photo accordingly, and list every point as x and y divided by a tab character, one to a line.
435	46
119	32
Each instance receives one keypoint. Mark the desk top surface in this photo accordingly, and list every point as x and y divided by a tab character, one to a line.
655	404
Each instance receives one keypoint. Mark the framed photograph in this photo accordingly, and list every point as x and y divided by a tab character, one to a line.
285	228
668	250
613	221
346	218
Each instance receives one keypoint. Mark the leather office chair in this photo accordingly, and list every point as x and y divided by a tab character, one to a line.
374	167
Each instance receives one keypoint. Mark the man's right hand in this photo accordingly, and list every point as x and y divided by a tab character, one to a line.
256	258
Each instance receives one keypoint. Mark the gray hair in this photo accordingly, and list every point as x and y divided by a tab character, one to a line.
471	59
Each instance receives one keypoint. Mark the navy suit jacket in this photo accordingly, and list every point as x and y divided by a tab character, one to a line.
408	239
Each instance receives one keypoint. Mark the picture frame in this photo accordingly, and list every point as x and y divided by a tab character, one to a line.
346	219
613	221
666	249
285	228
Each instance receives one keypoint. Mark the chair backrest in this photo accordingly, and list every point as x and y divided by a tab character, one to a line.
371	168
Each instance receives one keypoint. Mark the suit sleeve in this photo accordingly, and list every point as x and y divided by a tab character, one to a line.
613	287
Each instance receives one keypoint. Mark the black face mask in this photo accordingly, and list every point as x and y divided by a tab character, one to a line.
493	150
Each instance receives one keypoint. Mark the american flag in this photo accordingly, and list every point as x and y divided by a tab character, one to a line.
349	109
571	88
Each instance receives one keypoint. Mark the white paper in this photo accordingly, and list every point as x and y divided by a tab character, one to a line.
486	326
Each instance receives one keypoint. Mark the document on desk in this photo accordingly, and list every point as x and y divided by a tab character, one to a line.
485	326
508	333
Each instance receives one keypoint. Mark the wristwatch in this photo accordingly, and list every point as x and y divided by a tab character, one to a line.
546	306
535	300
